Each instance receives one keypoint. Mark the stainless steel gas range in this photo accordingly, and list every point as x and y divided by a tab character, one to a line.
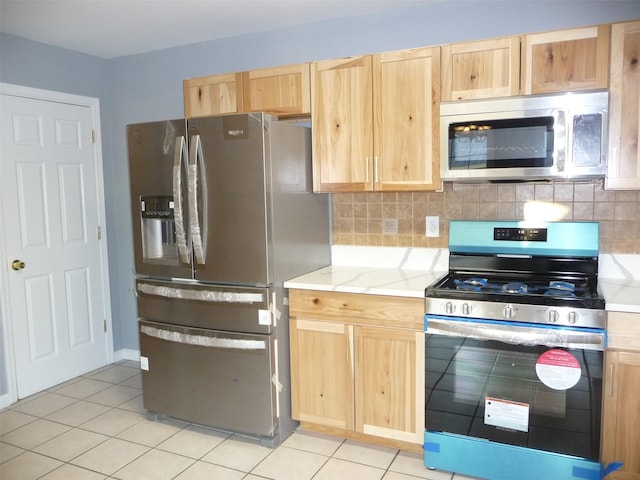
514	353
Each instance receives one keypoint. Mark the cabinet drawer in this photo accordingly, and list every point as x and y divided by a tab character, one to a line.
623	330
390	311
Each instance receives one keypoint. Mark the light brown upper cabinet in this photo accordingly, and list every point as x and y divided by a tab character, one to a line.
482	69
406	129
213	95
342	124
375	122
281	91
566	60
623	169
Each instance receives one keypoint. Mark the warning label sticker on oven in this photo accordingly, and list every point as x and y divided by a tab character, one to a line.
558	369
506	414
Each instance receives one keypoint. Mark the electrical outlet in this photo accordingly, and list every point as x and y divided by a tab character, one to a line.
433	226
390	226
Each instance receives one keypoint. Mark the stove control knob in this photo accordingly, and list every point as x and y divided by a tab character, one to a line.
508	312
449	308
553	316
467	308
573	318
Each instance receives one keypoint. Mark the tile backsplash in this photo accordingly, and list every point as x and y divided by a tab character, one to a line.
359	218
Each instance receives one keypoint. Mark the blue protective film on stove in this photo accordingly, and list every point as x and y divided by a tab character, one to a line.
497	461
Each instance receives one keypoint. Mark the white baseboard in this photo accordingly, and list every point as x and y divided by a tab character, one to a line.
6	400
126	354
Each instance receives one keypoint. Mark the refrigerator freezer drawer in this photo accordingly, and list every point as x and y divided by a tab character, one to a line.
213	307
213	378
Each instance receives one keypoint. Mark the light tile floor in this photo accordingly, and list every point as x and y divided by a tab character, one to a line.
94	427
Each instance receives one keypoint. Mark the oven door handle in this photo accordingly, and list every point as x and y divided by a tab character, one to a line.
519	334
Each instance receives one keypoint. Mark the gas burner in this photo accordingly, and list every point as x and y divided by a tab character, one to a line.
553	292
554	288
516	287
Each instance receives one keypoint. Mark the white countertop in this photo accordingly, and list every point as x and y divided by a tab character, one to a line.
397	271
375	281
406	272
619	282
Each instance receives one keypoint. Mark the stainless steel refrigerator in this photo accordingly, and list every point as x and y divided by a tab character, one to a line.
223	214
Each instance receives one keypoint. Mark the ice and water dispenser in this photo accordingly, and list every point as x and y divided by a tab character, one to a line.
158	230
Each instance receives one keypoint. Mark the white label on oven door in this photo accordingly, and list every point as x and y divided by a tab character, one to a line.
506	414
558	369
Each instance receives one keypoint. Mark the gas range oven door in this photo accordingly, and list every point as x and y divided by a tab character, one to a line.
522	401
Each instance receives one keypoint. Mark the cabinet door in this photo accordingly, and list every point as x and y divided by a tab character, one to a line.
483	69
213	95
566	60
390	383
620	433
322	372
406	99
281	91
342	125
623	170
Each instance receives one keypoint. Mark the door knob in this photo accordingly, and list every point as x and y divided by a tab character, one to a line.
17	265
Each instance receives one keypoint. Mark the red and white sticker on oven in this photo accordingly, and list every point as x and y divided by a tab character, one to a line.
558	369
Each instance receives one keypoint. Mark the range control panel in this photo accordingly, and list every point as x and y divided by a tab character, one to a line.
520	234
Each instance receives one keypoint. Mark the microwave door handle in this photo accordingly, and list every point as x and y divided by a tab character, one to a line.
561	134
179	158
195	226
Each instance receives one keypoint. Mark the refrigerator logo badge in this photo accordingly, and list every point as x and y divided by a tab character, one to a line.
235	127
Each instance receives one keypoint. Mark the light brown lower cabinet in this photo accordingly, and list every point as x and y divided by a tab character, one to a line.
621	407
360	373
322	372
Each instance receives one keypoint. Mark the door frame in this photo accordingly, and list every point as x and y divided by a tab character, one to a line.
6	331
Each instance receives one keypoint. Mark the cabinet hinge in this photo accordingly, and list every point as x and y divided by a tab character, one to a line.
93	136
99	233
104	325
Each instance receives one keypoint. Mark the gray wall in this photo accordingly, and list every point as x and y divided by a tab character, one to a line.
32	64
148	86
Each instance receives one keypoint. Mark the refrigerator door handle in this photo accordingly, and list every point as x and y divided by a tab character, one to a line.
208	295
195	162
203	340
179	158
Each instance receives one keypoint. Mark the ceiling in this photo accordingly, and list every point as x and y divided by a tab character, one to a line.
113	28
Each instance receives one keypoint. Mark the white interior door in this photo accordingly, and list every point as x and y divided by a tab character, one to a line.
56	274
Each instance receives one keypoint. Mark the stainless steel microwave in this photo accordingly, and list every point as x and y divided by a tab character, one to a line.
525	138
